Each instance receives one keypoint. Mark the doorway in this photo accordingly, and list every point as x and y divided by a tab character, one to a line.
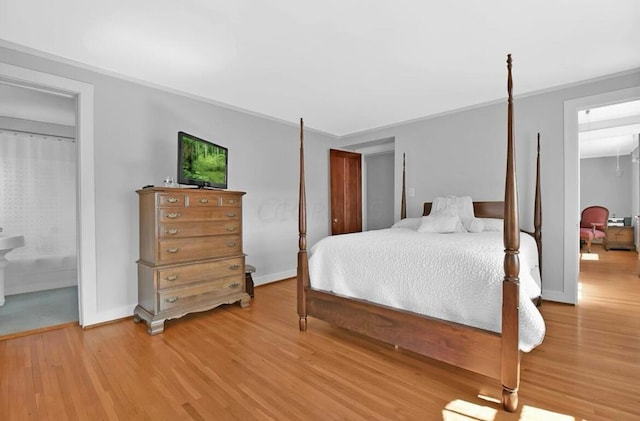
86	241
38	161
572	183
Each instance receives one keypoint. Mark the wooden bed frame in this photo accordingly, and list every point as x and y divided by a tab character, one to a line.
481	351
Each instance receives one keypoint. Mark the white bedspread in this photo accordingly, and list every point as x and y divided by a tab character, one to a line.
456	277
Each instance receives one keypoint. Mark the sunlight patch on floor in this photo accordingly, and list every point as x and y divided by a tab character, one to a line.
531	413
589	256
463	410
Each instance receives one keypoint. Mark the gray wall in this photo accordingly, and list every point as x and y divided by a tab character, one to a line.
135	135
599	184
380	190
463	153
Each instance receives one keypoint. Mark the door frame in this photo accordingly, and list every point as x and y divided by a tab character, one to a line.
86	232
385	148
572	185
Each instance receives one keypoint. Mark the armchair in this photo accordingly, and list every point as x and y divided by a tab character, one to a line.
593	225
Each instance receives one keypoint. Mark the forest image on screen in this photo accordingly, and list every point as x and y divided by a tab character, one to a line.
203	162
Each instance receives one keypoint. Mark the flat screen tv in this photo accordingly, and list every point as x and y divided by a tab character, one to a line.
201	163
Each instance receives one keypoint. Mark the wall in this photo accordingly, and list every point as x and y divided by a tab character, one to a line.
599	184
135	135
380	190
463	153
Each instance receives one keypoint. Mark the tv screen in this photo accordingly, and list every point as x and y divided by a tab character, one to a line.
201	163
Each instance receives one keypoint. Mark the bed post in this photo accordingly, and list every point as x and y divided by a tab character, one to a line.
403	205
537	213
303	263
510	374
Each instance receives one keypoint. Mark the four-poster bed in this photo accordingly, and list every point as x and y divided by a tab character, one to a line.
487	352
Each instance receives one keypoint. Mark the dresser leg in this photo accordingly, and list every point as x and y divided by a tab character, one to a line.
155	327
245	302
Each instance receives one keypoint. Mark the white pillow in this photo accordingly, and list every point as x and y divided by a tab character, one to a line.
474	225
461	206
458	206
409	223
443	224
493	224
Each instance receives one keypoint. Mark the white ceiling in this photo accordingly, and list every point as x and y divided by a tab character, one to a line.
610	130
344	65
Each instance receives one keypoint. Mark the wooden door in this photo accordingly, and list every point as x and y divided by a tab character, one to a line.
346	191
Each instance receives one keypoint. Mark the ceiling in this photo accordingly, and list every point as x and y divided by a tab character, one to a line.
611	130
345	66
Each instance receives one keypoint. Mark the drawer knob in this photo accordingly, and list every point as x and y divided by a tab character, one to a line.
173	250
231	214
234	285
230	228
172	299
231	243
204	200
171	278
231	201
172	231
173	215
172	200
234	267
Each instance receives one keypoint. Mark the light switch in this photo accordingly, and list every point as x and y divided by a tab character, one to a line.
411	192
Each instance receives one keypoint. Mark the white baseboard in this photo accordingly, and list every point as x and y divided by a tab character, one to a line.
557	296
273	277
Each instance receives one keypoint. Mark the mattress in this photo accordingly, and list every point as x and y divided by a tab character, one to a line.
456	277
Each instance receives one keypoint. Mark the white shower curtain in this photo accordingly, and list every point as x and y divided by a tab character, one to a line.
38	200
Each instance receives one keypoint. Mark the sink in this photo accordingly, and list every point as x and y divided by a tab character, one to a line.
7	243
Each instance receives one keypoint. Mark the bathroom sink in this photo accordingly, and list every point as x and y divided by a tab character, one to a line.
10	242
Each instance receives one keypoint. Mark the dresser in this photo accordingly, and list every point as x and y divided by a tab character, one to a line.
191	256
620	237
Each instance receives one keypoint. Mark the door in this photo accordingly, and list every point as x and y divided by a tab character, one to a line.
346	191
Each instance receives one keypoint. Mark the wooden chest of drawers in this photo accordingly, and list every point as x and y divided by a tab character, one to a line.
191	256
620	238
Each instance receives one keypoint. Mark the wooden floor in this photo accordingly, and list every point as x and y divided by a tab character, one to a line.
245	364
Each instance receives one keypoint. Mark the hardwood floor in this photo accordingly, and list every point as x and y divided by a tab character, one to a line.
244	364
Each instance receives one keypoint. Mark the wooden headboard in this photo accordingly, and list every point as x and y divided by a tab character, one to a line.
480	209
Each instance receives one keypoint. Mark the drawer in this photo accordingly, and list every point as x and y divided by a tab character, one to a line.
198	214
197	248
620	234
171	200
231	201
198	229
203	199
198	272
203	292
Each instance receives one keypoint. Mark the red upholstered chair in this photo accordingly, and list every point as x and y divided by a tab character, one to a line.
593	225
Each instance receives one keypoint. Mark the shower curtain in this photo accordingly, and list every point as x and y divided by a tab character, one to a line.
38	200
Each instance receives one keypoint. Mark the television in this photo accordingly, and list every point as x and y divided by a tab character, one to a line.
201	163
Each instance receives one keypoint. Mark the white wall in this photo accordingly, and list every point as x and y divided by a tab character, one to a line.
464	153
135	141
599	184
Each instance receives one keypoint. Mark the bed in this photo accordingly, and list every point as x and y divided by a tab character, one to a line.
487	350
